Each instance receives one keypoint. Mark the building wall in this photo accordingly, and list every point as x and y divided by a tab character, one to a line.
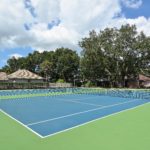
133	84
26	80
1	81
146	84
60	85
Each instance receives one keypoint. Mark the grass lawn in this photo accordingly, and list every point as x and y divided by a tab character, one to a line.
129	130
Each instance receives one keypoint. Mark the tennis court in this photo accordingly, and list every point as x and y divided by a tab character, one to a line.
51	114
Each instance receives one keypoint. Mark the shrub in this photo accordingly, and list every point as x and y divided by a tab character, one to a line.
60	81
89	84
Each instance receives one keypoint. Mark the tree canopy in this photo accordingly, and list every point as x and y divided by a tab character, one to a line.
62	63
115	54
109	55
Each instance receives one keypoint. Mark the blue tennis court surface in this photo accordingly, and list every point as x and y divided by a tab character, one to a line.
49	115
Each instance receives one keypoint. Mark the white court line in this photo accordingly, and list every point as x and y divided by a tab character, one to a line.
73	126
78	113
21	123
76	101
80	125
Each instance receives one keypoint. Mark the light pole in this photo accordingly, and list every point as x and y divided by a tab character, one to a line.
74	82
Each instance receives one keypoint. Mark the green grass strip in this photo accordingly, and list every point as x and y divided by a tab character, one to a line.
34	95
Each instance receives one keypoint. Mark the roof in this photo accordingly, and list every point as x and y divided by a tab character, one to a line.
3	76
143	78
24	74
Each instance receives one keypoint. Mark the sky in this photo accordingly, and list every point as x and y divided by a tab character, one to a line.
28	25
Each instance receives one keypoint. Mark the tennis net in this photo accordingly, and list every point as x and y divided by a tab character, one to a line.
135	94
48	92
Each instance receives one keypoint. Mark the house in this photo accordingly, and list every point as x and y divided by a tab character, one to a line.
144	81
3	77
141	81
23	75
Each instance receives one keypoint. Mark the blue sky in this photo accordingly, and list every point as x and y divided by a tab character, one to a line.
143	10
8	53
49	24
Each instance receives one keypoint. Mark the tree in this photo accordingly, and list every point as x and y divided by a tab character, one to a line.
33	60
46	68
67	64
115	54
60	64
13	64
91	57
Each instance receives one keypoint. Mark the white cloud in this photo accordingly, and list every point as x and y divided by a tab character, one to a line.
142	23
132	3
12	17
46	10
16	55
76	17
